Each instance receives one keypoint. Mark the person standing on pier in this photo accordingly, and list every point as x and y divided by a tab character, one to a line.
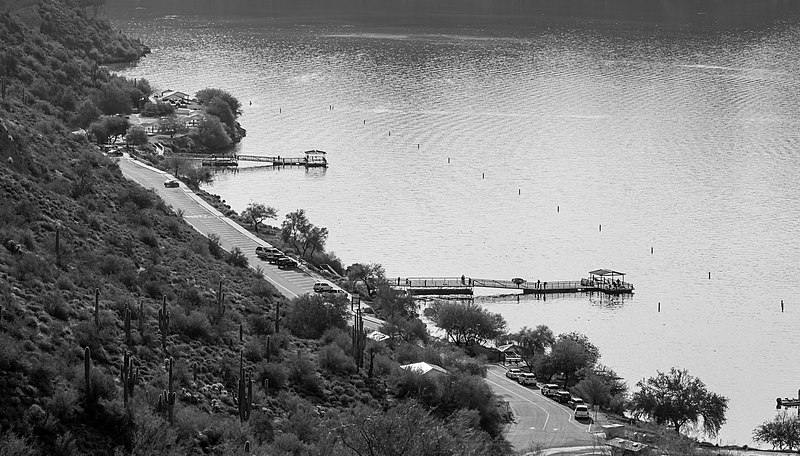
463	280
538	284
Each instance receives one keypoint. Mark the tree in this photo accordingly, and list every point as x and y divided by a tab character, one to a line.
783	431
467	323
533	342
315	240
198	175
86	113
172	126
677	398
113	100
256	213
591	349
116	126
205	97
567	357
295	228
158	109
99	131
211	134
136	136
176	165
372	275
308	316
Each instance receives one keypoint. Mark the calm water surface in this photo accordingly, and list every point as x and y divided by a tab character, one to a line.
499	152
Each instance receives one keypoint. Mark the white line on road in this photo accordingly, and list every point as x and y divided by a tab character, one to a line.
547	418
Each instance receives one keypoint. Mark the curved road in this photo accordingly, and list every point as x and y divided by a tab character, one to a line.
540	421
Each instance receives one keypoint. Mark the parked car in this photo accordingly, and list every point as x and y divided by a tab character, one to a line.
171	183
286	263
264	253
513	373
526	378
581	411
276	257
575	401
323	287
562	396
550	389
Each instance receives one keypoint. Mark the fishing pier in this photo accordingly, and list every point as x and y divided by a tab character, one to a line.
600	280
311	159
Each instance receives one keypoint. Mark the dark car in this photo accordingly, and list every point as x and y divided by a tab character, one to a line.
171	183
562	396
286	263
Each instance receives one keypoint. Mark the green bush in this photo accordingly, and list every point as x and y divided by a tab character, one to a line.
260	324
304	376
148	237
237	258
275	373
194	326
55	306
333	359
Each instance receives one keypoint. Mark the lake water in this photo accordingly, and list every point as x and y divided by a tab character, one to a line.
500	151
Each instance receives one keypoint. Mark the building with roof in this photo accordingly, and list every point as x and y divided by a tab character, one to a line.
425	369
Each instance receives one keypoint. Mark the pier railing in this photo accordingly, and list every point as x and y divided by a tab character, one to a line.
527	286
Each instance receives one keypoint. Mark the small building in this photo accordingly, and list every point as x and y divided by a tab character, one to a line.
377	336
425	369
509	353
174	96
316	158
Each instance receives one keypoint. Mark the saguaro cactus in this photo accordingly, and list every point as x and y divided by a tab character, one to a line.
58	242
245	393
163	323
166	401
247	447
269	348
87	372
128	376
220	302
97	308
277	316
127	325
359	337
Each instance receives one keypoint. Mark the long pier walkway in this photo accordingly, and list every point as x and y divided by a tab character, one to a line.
465	285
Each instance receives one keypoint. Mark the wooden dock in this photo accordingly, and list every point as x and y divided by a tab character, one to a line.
465	285
311	159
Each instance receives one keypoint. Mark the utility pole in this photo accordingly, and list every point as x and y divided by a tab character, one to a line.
787	402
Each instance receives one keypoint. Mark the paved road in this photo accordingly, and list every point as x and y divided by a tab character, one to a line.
207	220
541	421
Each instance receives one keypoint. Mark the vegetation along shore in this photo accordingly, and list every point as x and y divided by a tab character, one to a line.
124	331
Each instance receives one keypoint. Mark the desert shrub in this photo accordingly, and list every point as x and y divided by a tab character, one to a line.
11	355
383	365
260	324
30	267
275	373
237	258
333	359
42	377
113	264
55	306
303	374
63	404
338	336
103	386
194	326
214	247
174	226
137	195
13	445
148	237
152	288
199	246
261	425
255	350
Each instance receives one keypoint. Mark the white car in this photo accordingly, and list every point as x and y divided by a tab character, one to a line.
513	373
323	287
526	378
581	411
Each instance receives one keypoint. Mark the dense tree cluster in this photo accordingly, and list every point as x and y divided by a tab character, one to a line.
466	323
